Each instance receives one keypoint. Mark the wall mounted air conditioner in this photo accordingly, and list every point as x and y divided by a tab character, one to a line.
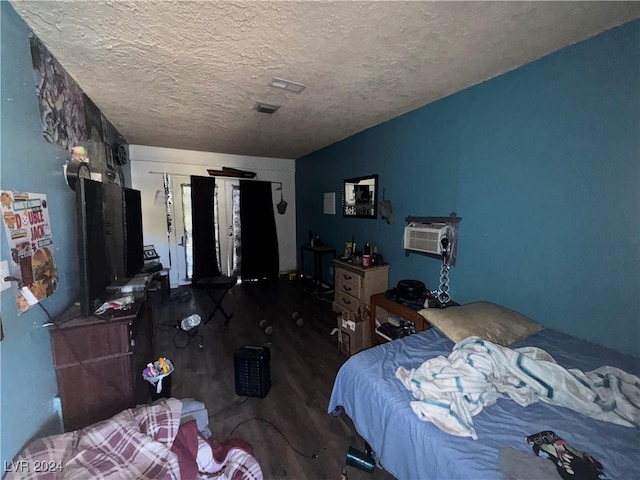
425	237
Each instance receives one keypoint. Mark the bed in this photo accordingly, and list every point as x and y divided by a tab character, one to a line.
367	390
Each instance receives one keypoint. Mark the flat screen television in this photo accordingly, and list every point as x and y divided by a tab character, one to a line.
110	243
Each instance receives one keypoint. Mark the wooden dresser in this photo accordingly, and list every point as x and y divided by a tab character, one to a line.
99	361
355	284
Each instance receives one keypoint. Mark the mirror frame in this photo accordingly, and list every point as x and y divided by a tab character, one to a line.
348	187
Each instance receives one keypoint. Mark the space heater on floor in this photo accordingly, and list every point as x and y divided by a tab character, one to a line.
253	378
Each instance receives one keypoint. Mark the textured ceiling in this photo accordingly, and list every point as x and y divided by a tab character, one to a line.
187	74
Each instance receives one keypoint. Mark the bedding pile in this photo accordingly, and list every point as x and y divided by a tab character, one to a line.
146	442
450	391
136	443
200	459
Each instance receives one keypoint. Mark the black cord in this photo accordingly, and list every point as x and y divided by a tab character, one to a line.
231	405
277	430
47	312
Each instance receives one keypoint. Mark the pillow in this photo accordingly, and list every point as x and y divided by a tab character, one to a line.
486	320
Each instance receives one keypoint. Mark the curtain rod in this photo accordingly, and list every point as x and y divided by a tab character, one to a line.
174	174
183	175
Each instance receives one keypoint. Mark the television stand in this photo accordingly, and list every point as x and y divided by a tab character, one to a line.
98	362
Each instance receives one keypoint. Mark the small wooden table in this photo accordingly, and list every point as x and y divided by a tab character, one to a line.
380	300
318	252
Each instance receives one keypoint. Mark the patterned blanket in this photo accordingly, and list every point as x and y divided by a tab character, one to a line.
450	391
136	443
141	443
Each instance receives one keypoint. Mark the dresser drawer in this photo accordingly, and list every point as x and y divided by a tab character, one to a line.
346	301
72	346
347	282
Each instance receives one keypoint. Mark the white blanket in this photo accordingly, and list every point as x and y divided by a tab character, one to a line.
450	391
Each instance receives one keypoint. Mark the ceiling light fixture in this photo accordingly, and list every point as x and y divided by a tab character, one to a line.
266	108
287	85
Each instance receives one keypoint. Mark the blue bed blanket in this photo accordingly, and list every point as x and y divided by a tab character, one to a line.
380	406
449	391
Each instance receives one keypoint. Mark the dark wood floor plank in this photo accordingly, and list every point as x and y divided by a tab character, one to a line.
304	363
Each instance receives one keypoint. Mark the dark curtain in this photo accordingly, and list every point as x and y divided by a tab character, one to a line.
259	245
205	263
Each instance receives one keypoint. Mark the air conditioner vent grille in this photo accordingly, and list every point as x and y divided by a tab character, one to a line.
425	238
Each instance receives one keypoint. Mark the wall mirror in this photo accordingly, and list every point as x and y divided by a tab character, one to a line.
360	197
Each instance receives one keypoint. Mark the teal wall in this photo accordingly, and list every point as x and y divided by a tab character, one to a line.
542	163
30	164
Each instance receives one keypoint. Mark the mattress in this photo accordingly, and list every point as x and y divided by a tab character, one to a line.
369	392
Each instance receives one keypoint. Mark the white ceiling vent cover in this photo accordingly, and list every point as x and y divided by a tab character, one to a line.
425	237
287	85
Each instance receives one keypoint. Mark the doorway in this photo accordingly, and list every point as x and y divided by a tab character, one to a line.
226	225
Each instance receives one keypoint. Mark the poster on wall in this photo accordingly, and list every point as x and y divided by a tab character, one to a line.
60	98
95	136
70	118
28	229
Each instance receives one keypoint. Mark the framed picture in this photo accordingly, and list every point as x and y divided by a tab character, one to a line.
109	156
360	197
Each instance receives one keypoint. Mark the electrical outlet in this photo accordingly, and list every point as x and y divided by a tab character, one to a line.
4	272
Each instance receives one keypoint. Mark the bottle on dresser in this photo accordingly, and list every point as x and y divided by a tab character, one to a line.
366	255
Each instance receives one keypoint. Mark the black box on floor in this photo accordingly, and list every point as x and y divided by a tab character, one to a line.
253	377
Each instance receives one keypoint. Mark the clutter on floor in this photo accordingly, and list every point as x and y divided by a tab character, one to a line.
266	326
157	373
298	319
360	460
188	332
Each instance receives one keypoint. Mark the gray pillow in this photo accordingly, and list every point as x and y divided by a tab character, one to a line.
486	320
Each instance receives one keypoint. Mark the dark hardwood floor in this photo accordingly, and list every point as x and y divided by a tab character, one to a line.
304	362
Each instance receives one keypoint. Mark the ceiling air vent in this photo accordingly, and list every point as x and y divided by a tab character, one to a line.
266	108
